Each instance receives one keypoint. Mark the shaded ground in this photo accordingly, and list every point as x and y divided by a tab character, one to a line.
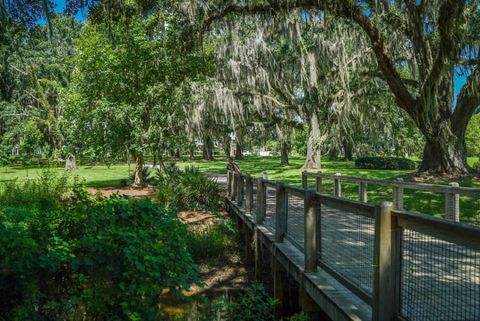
229	272
145	192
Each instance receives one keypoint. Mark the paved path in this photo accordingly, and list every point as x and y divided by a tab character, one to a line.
440	280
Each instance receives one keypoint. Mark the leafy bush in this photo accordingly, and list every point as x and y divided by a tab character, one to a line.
255	305
47	190
210	243
385	163
189	189
106	259
476	166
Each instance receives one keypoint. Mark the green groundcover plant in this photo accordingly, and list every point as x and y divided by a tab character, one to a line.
99	259
188	189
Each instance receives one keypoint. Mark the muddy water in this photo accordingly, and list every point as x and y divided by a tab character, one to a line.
197	307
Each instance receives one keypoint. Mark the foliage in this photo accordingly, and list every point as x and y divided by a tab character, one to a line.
105	259
45	191
189	189
476	166
213	242
255	305
472	136
385	163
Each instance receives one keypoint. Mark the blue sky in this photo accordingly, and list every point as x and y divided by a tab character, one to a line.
60	6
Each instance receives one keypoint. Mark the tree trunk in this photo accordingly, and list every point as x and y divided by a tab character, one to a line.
333	152
314	146
177	153
192	153
238	150
227	145
284	154
208	149
139	179
347	150
445	154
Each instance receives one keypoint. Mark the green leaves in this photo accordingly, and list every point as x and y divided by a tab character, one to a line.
107	258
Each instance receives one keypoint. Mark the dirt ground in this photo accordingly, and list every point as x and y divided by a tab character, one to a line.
145	192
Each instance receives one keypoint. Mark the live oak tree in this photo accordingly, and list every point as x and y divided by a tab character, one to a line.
428	40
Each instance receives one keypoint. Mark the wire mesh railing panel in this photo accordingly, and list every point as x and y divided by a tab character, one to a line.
440	281
347	246
254	198
270	208
296	221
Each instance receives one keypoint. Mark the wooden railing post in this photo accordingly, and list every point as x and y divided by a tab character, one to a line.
234	186
304	180
398	195
337	185
248	194
229	183
363	191
384	288
452	205
261	202
311	242
281	208
240	190
318	182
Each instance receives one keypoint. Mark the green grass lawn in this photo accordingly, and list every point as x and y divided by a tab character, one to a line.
94	176
429	203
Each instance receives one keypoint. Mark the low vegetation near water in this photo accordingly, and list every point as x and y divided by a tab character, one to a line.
69	256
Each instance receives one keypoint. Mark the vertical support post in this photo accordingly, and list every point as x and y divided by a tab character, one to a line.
384	264
248	194
337	185
240	190
310	247
452	204
258	255
363	191
229	183
234	187
261	202
248	237
318	182
278	288
398	195
304	180
281	212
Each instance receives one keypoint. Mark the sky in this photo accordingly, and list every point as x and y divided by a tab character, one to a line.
60	6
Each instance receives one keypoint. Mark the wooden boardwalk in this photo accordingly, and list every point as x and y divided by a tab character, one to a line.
438	280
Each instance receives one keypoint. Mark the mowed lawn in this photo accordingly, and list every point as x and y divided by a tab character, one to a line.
94	176
429	203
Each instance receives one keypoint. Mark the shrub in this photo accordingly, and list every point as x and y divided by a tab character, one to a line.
106	259
255	305
212	242
186	190
385	163
476	166
47	190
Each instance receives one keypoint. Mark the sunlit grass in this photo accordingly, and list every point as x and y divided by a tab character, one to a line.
429	203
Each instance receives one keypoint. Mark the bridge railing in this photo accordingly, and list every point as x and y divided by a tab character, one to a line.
405	265
451	195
